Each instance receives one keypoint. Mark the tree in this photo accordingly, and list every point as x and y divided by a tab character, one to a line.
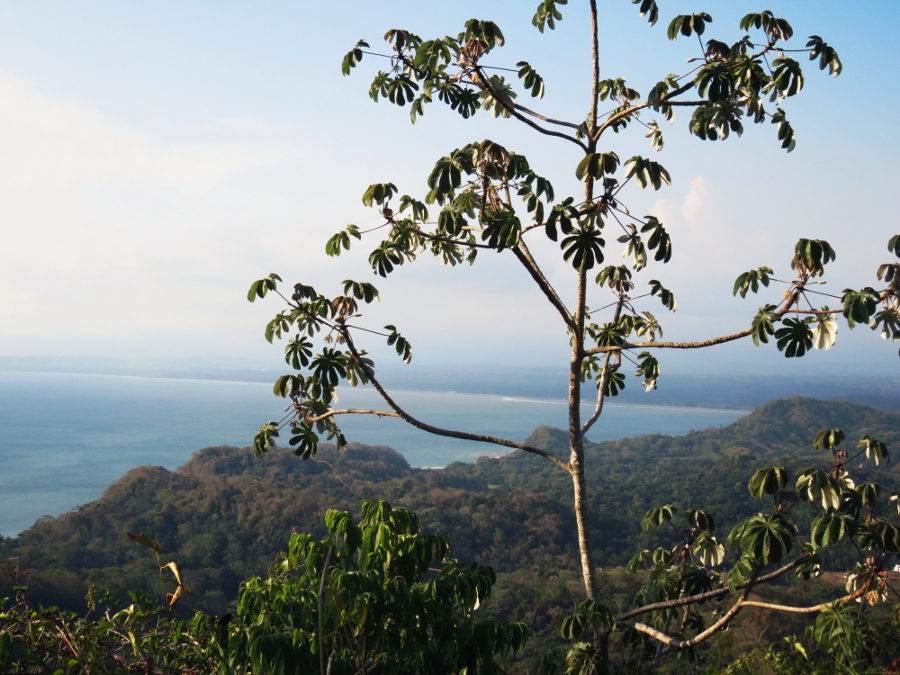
364	599
727	85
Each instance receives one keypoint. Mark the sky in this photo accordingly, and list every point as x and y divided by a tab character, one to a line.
156	158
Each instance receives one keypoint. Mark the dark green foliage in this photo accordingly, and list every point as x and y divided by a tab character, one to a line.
379	596
750	281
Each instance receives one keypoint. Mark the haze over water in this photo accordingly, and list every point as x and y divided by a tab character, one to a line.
64	438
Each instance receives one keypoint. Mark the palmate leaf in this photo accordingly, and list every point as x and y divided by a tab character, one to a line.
342	240
687	24
379	193
750	281
297	352
259	289
859	306
263	440
385	257
353	57
814	485
768	480
648	368
641	561
830	528
615	382
404	349
700	519
634	248
502	229
666	296
785	131
765	539
708	549
597	165
795	339
547	14
419	210
894	245
483	30
659	240
289	386
787	78
874	449
361	290
499	99
825	329
531	79
775	28
880	534
616	277
811	256
304	440
589	616
648	9
447	173
561	214
658	516
764	324
828	439
647	172
583	248
827	56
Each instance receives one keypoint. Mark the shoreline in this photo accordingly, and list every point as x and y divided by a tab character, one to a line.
495	397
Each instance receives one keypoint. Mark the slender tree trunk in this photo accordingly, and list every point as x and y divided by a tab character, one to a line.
588	569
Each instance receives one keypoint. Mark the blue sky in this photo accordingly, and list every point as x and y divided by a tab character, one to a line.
157	157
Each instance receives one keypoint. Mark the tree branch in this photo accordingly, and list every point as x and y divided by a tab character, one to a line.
350	411
646	104
670	345
700	637
527	111
740	604
703	597
524	255
695	345
437	431
858	593
483	83
434	237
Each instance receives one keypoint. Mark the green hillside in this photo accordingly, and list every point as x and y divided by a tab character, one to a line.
226	514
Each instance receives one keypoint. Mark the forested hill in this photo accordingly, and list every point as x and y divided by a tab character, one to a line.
226	514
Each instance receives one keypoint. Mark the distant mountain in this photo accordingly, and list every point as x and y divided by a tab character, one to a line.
226	514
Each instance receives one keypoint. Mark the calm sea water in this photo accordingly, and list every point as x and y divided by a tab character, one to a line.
64	437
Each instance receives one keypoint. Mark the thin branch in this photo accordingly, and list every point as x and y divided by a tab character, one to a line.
437	431
483	83
670	345
434	237
646	104
601	387
703	597
524	255
350	411
691	345
527	111
700	637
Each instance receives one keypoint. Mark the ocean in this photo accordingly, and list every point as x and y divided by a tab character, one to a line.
65	437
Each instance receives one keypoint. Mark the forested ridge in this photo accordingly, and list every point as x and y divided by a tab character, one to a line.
226	514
